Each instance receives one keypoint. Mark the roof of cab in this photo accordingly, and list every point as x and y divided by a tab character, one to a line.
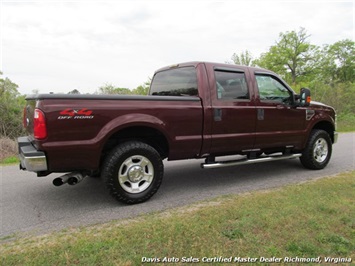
221	65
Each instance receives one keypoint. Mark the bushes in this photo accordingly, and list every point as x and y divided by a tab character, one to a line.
341	96
346	122
8	148
11	106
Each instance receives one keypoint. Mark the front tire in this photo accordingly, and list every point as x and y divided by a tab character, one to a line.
133	172
318	150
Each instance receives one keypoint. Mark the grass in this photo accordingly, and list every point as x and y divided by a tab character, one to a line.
10	160
309	220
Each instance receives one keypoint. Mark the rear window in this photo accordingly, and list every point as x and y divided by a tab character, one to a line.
175	82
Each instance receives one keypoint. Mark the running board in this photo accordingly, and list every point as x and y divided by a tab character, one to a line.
249	161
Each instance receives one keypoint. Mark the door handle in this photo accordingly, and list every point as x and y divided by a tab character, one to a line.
217	114
260	114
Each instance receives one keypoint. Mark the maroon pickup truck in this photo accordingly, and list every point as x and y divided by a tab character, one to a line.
193	110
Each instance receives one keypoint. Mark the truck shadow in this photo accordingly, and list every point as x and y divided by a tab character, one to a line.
184	182
194	182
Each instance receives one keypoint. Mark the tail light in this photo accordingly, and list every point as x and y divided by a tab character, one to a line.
39	125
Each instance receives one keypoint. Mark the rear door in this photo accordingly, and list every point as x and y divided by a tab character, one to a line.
234	113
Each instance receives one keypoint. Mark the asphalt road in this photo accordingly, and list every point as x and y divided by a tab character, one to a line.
31	204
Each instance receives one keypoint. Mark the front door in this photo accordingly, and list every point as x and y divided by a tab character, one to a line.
278	124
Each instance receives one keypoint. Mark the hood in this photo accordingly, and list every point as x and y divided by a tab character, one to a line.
321	106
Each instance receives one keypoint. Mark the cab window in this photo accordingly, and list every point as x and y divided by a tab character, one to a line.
231	85
271	89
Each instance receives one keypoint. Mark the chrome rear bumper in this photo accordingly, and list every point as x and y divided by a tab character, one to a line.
30	158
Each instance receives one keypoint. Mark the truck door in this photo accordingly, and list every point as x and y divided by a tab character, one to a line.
278	123
234	114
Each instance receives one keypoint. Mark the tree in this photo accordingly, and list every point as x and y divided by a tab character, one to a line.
110	89
11	107
75	91
143	89
335	80
140	90
245	58
292	57
339	61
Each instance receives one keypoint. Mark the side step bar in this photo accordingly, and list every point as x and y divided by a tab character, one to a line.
249	161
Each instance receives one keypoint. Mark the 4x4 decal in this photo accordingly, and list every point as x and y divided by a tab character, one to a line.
76	114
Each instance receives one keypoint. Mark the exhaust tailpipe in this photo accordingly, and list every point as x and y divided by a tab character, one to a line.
61	180
71	178
75	178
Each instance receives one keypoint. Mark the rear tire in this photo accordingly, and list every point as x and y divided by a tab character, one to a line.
133	172
318	150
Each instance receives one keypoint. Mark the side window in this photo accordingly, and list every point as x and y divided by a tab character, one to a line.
270	89
175	82
231	85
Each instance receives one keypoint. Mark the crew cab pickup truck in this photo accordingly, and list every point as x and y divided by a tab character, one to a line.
193	110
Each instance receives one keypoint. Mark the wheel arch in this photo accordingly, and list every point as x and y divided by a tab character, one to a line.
326	126
144	133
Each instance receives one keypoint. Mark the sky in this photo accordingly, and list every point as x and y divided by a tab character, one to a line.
59	46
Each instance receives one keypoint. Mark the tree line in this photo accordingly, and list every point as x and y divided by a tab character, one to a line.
12	104
329	71
111	89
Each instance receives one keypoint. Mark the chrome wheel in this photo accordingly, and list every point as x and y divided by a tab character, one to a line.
320	150
136	174
133	172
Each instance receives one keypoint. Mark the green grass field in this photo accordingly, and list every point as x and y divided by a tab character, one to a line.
309	221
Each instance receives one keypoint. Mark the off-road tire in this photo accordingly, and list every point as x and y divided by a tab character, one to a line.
318	150
125	165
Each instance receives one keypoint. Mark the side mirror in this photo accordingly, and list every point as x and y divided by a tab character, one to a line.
305	97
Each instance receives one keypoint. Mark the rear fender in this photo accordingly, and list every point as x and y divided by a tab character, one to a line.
132	120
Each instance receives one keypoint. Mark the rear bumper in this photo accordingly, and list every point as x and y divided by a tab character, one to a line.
31	159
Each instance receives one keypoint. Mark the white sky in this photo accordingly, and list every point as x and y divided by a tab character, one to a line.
58	46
